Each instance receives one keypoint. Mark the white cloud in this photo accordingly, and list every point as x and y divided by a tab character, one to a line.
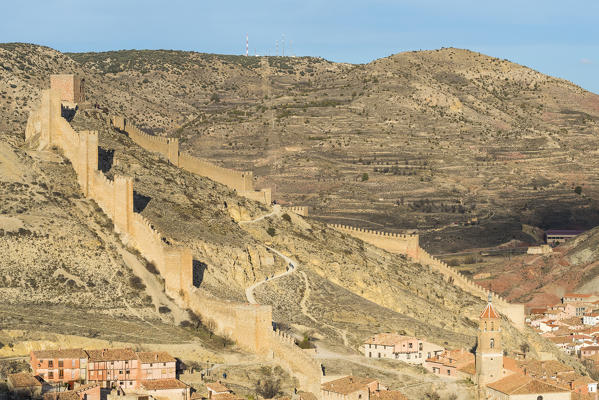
585	61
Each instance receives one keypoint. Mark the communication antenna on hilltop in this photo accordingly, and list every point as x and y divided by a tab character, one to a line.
290	48
283	44
247	44
277	48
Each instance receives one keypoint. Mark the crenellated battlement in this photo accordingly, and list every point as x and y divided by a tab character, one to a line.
299	210
249	325
408	245
240	181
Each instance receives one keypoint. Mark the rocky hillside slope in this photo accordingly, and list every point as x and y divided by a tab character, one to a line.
542	279
432	140
343	290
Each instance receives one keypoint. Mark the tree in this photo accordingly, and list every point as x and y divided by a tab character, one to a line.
578	190
364	177
268	388
525	348
214	98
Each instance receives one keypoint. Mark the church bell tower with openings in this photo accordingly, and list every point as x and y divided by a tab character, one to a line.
489	350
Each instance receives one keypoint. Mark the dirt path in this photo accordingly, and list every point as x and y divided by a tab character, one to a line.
276	211
291	267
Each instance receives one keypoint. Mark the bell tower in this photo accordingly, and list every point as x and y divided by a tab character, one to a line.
489	349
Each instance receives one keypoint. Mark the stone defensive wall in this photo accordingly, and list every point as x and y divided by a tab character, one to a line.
248	325
409	245
240	181
299	210
392	242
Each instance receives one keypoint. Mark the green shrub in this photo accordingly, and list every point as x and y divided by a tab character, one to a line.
578	190
271	231
286	217
364	177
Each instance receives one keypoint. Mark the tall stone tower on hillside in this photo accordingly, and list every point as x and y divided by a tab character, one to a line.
489	349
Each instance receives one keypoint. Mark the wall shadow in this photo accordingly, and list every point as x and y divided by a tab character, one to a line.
105	159
198	272
140	202
68	113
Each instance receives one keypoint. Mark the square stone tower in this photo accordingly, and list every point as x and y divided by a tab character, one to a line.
70	87
489	349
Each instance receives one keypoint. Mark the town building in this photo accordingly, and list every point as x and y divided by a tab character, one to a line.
217	389
522	387
399	347
556	236
456	364
579	298
113	367
348	388
156	365
24	385
171	389
591	318
59	366
83	392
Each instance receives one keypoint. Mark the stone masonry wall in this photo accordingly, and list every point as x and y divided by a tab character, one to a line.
409	245
248	325
240	181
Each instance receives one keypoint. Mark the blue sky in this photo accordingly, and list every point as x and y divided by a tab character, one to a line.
559	38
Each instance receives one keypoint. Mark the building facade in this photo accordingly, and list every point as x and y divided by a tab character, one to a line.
59	366
113	367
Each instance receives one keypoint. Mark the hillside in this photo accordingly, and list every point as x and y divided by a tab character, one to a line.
445	137
344	290
537	279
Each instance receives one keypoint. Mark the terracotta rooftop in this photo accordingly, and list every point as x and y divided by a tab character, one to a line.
111	355
68	395
522	384
387	395
149	357
60	353
306	396
489	312
23	380
347	385
581	295
217	387
163	384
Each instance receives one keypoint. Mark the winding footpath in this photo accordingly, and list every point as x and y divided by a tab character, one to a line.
291	267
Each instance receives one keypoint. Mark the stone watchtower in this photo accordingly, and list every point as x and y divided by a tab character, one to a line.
70	87
489	349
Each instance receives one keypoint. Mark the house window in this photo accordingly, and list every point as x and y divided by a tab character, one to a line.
539	397
370	354
60	364
408	356
410	345
50	363
448	372
379	355
420	346
150	365
120	372
50	375
492	343
60	373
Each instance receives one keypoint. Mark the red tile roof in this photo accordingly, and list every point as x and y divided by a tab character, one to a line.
23	379
347	385
489	312
60	353
163	384
522	384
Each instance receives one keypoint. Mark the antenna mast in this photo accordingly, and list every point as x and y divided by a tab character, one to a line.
247	44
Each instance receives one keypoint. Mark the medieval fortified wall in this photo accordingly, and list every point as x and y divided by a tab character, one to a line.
240	181
409	245
248	325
